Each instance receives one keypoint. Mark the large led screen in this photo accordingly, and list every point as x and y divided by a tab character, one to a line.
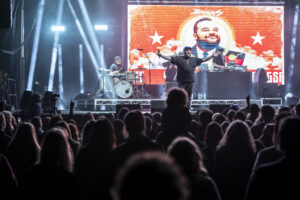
252	37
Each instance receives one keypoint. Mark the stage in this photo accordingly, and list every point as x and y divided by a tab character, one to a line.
97	105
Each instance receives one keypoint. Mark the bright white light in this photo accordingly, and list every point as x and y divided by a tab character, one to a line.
288	95
57	28
101	27
35	45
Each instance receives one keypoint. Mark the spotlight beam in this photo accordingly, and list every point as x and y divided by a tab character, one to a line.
60	72
54	50
81	69
35	46
292	51
85	40
90	30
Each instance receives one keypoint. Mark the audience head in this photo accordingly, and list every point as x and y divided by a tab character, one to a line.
9	122
187	154
289	136
278	119
225	125
2	122
102	138
119	130
194	128
122	112
177	97
284	109
25	137
46	122
74	132
150	176
238	139
53	121
205	117
64	125
37	122
230	115
219	118
213	134
157	117
267	134
239	115
135	123
72	121
86	131
56	150
297	108
148	123
254	109
268	113
85	118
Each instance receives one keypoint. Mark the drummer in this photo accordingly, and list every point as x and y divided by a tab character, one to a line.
117	66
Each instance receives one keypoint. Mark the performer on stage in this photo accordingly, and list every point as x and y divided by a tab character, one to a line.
186	68
117	65
219	61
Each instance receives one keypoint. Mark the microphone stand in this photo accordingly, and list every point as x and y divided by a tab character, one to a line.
150	64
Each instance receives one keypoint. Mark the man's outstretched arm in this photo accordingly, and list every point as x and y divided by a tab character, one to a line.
210	57
164	57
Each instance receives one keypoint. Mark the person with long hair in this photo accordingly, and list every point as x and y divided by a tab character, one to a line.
23	150
74	144
188	156
279	179
93	160
51	178
176	118
212	137
235	156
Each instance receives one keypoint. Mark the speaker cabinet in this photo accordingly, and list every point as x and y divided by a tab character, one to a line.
218	107
157	105
5	14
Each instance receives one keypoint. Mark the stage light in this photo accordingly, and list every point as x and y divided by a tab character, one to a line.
288	95
35	46
291	99
55	43
101	27
57	28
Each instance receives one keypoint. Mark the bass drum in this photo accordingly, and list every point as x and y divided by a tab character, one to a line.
124	89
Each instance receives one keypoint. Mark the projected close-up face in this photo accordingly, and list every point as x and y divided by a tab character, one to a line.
252	36
206	34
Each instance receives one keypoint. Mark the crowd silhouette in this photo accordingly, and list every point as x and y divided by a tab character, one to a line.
249	152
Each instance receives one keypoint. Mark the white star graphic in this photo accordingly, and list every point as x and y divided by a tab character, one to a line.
156	38
257	38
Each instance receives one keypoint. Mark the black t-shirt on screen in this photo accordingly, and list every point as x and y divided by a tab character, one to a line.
220	60
186	67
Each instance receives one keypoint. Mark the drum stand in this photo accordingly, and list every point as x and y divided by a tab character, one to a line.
140	93
102	92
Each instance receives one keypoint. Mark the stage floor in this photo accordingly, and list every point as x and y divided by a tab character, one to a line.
112	105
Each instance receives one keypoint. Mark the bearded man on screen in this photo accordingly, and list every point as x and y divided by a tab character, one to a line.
206	34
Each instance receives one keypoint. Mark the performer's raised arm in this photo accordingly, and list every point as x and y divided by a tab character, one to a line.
210	57
164	57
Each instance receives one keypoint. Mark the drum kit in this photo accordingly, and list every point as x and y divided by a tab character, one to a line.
125	85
